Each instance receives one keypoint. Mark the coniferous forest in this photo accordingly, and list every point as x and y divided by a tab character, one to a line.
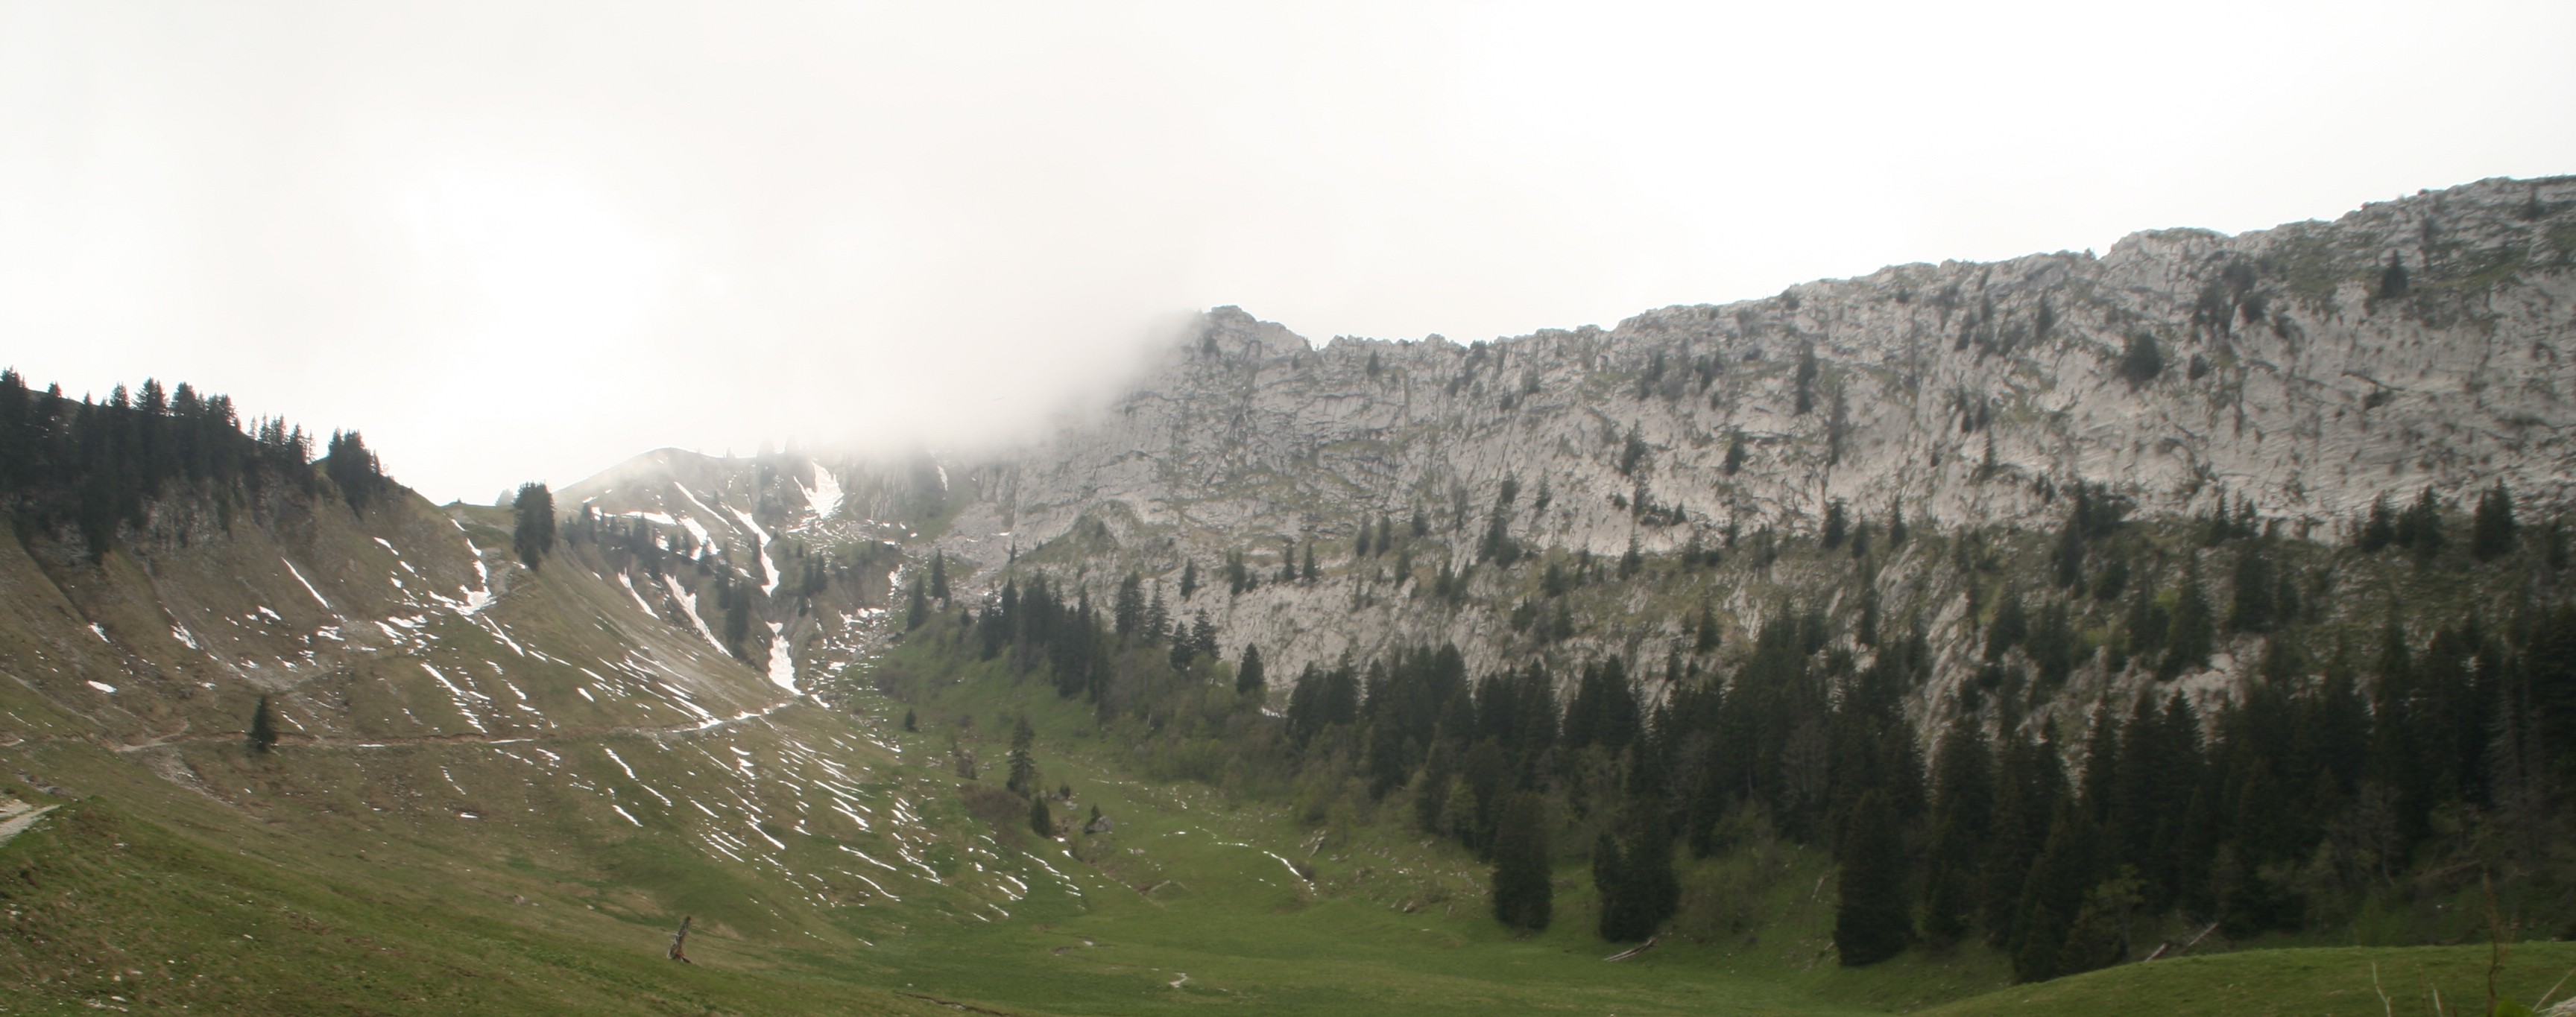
2375	772
97	466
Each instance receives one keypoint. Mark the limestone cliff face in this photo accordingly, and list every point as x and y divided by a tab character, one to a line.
2309	368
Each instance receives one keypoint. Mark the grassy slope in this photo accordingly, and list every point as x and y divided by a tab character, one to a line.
1187	885
2323	981
334	876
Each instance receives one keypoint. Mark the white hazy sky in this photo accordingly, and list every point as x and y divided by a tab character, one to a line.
525	240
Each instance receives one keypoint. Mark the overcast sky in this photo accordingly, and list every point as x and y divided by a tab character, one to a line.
527	240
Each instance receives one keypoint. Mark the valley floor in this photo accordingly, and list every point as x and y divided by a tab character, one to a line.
136	893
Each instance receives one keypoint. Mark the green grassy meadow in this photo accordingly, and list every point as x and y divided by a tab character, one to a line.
350	881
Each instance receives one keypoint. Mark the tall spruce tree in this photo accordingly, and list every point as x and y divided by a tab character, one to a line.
263	727
2491	531
2191	634
1248	677
533	534
1963	804
2053	895
1524	895
353	469
1610	887
1024	767
1871	920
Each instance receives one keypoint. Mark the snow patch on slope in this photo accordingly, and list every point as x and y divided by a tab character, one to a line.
782	661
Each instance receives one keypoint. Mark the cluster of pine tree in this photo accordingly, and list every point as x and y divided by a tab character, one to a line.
1095	658
99	466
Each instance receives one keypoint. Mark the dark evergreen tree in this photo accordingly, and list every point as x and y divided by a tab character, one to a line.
2192	633
1024	767
533	535
1127	612
1871	923
263	727
1189	579
939	576
919	611
2419	528
1963	804
2053	895
2256	592
1523	891
2011	626
353	469
2141	360
1609	886
2379	530
2028	785
736	621
1203	636
1248	679
1041	819
2392	279
2491	532
911	722
1837	525
1806	379
2069	558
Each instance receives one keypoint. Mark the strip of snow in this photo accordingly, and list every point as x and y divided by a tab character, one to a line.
782	659
825	496
475	600
629	584
462	707
513	644
760	550
308	585
101	632
691	522
689	606
864	879
639	824
621	763
756	531
181	633
103	687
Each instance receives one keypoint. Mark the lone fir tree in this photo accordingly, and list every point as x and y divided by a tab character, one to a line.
2491	531
1523	896
263	727
1871	921
1248	678
1024	768
533	535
